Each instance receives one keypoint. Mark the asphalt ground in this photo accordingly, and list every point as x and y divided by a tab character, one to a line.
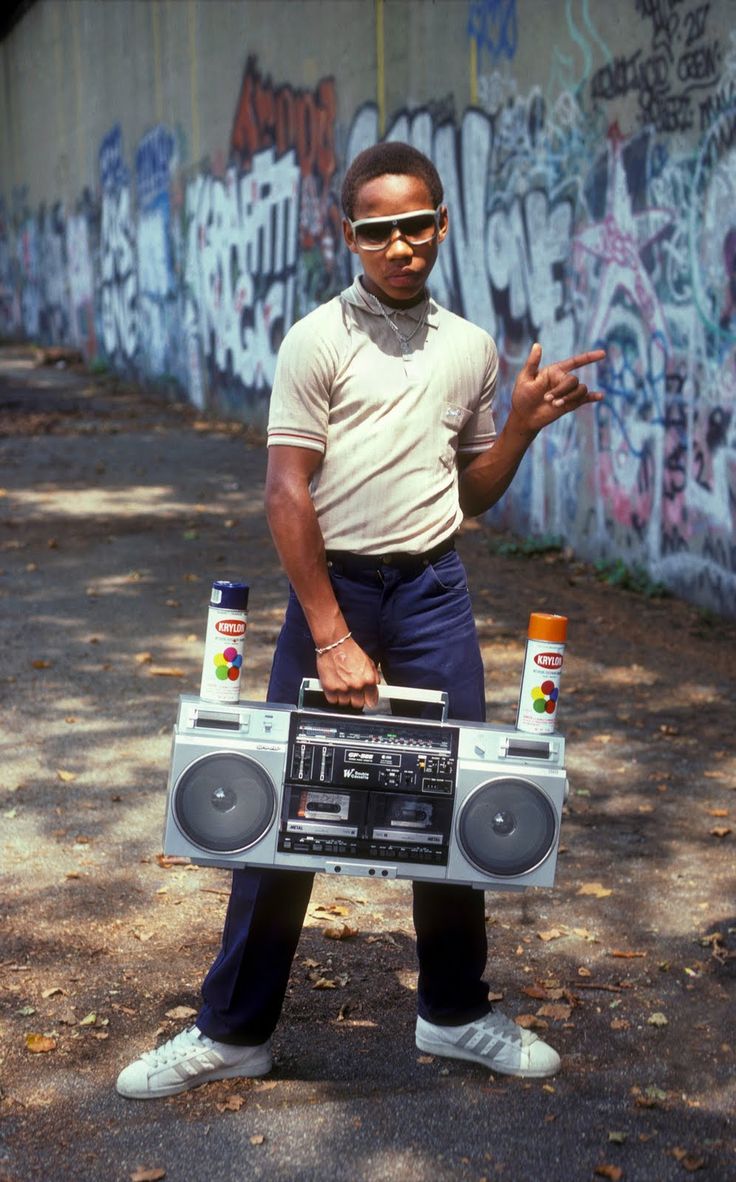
117	508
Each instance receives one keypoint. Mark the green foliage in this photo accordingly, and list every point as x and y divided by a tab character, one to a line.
614	571
635	578
526	547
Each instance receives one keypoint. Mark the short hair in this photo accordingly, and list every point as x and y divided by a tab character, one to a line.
395	158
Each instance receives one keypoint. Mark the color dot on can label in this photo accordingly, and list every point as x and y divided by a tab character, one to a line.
544	697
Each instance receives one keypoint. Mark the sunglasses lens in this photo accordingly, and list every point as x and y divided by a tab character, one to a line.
374	234
415	230
418	230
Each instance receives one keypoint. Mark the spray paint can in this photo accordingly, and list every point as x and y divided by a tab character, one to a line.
224	645
539	694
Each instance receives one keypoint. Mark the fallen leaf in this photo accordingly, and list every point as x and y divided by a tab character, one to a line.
144	658
657	1019
688	1160
614	1173
594	888
334	909
165	671
66	777
649	1097
538	992
620	1024
168	860
558	1013
531	1022
88	1020
583	972
181	1013
552	934
51	991
425	1059
584	934
41	664
720	831
257	1139
153	1174
339	931
324	983
617	1138
624	955
40	1044
232	1104
717	812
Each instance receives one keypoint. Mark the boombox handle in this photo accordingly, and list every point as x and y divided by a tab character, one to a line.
387	696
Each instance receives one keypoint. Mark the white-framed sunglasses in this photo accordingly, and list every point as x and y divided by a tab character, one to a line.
418	227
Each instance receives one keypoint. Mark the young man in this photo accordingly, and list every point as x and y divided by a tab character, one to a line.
381	438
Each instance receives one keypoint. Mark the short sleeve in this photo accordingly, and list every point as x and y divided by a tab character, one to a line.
305	372
480	430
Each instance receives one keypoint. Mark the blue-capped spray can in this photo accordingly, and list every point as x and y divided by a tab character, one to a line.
224	645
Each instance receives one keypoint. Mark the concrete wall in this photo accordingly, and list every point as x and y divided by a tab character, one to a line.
169	173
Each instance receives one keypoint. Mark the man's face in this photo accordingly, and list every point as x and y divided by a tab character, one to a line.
397	273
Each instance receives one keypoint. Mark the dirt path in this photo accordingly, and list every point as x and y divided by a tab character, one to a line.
116	511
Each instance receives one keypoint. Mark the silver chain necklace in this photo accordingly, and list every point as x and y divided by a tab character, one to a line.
403	338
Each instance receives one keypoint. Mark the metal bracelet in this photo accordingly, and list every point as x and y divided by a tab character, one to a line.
320	651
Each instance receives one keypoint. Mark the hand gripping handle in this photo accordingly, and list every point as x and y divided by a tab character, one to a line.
311	696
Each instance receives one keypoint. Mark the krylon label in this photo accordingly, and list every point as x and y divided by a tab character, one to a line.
548	660
231	628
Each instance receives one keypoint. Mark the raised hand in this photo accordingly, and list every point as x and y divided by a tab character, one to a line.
540	396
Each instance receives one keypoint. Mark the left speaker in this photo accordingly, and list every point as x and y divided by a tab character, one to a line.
225	802
225	782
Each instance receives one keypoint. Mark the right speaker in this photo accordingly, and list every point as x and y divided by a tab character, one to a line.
508	811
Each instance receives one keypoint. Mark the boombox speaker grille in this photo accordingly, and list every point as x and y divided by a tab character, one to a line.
507	827
224	802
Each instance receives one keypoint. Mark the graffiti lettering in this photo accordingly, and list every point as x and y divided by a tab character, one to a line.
282	118
492	24
241	265
119	284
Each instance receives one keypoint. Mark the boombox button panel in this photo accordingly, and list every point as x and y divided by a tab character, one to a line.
363	870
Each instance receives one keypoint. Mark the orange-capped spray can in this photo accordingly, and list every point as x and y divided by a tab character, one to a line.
539	694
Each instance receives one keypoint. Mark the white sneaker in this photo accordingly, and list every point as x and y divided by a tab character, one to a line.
493	1040
188	1060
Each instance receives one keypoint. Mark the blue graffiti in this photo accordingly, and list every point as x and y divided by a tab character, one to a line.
492	25
152	166
113	170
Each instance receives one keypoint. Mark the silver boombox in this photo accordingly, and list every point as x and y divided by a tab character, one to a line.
372	794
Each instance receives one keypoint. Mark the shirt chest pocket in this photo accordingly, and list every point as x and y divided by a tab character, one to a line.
452	421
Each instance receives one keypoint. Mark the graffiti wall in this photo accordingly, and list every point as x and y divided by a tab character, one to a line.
594	205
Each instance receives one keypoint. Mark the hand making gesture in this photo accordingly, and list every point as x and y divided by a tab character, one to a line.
540	396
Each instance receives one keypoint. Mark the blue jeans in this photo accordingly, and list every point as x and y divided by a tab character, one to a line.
419	627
